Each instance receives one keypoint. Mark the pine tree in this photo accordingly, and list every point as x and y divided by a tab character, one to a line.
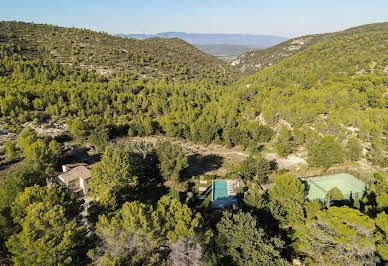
356	202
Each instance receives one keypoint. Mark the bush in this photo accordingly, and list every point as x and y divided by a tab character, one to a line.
10	150
79	128
256	169
325	153
172	160
353	149
284	142
334	195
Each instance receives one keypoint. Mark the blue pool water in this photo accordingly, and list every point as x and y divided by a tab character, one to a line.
220	190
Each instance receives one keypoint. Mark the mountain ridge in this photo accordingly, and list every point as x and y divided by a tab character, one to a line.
251	40
222	45
255	60
152	58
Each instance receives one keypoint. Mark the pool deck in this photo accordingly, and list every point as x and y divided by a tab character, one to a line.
231	200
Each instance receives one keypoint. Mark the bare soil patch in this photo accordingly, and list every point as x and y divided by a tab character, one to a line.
211	159
293	161
215	159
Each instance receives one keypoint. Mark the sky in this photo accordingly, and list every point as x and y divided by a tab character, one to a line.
272	17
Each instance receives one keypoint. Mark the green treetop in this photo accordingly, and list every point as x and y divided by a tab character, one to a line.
56	194
135	232
339	235
118	169
325	153
47	237
50	231
288	192
353	149
255	169
172	160
284	142
382	235
240	238
334	194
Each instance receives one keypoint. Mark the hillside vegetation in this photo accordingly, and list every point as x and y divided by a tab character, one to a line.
148	203
337	87
152	58
255	59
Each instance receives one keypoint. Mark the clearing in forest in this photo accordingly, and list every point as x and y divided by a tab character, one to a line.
216	159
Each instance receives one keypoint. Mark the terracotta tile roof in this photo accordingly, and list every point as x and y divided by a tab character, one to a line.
75	173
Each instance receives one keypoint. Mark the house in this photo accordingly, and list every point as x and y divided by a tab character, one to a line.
75	177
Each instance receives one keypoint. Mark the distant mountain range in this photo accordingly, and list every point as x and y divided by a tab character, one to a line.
253	41
225	46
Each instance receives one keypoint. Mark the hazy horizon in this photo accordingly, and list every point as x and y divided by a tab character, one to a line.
279	18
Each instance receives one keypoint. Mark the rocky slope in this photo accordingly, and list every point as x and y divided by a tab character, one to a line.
255	60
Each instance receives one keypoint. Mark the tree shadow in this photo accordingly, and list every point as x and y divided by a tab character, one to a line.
201	197
151	184
274	165
306	187
152	193
201	164
9	163
77	154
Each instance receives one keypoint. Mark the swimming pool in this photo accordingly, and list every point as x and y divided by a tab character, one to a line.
220	190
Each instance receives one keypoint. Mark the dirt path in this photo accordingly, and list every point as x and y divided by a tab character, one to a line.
215	159
212	159
192	148
293	161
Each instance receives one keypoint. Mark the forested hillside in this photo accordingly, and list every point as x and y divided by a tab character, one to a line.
337	87
255	59
106	54
144	207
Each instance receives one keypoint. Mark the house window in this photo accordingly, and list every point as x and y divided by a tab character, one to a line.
72	185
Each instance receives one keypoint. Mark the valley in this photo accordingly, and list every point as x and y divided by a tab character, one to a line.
146	150
224	46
